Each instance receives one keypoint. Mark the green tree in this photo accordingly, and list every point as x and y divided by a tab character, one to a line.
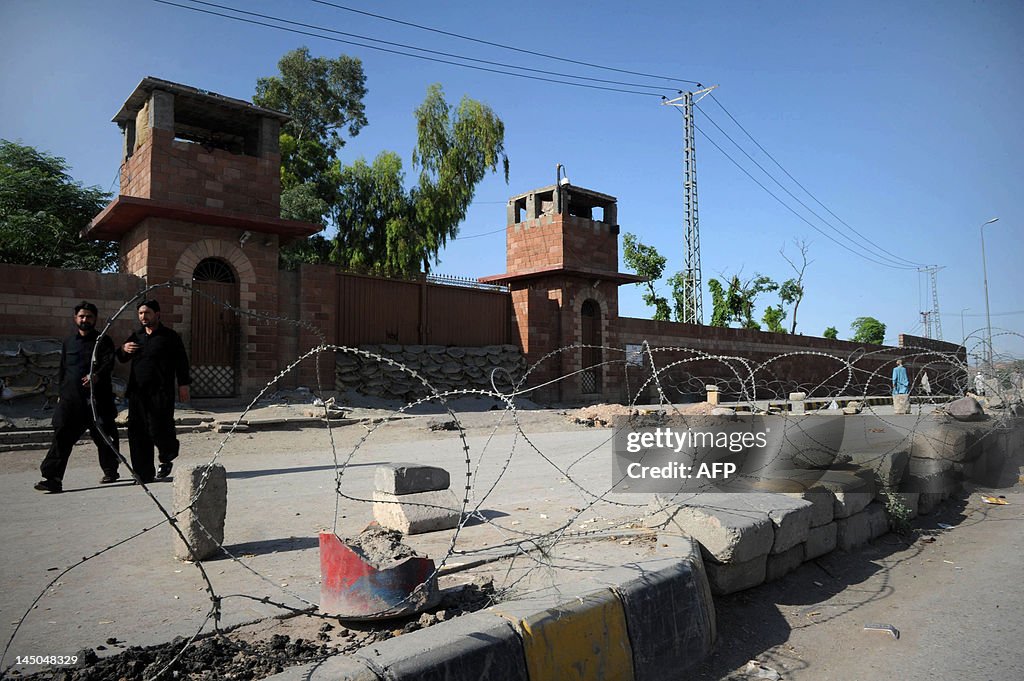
773	316
323	97
832	333
868	330
43	210
647	262
382	226
736	304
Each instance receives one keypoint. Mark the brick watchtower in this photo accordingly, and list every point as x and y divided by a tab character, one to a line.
200	203
562	267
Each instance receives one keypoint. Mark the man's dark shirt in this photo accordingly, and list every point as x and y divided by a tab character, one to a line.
159	360
76	355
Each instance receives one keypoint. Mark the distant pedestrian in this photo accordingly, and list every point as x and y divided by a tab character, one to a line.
159	363
74	413
926	385
900	380
979	384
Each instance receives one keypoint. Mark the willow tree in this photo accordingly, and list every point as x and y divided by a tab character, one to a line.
382	225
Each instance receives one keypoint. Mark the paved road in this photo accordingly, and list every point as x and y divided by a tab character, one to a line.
281	494
958	603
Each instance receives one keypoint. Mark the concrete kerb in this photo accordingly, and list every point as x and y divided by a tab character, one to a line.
630	622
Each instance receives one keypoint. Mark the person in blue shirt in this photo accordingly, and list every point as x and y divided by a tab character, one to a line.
900	380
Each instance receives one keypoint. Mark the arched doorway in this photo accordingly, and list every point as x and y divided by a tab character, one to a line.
590	337
214	329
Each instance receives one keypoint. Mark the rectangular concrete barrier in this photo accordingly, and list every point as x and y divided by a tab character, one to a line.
584	639
476	647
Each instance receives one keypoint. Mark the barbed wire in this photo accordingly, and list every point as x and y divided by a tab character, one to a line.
675	375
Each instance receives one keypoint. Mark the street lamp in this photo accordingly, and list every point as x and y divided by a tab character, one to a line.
984	273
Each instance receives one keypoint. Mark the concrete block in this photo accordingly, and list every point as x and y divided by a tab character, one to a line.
781	564
852	492
821	540
669	617
797	404
901	404
791	518
478	646
946	441
822	502
928	501
585	638
410	478
333	668
878	519
888	466
732	577
910	501
728	530
942	483
417	513
853	532
200	506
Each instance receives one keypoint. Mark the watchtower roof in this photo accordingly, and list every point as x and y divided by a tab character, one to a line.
214	109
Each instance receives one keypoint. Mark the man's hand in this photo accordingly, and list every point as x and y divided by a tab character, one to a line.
85	380
183	393
130	347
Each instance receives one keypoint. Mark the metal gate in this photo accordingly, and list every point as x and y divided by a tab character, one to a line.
214	330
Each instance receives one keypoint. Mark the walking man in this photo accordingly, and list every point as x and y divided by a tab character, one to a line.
158	365
73	414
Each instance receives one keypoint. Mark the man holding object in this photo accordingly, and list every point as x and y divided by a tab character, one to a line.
159	363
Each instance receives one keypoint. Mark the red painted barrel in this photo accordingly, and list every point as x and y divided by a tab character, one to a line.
351	588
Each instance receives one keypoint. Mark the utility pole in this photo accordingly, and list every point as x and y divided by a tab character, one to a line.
926	322
933	314
693	297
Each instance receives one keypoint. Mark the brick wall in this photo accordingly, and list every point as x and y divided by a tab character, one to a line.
166	169
39	302
561	240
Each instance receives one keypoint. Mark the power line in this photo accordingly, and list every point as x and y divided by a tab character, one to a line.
500	45
894	262
418	49
790	209
807	191
398	52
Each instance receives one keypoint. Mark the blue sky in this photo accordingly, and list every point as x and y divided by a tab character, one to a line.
903	118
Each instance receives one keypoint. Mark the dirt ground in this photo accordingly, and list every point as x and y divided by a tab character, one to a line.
950	588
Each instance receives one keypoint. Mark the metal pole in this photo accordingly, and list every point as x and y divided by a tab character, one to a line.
963	329
984	274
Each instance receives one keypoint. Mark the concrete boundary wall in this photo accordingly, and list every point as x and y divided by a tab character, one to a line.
630	622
